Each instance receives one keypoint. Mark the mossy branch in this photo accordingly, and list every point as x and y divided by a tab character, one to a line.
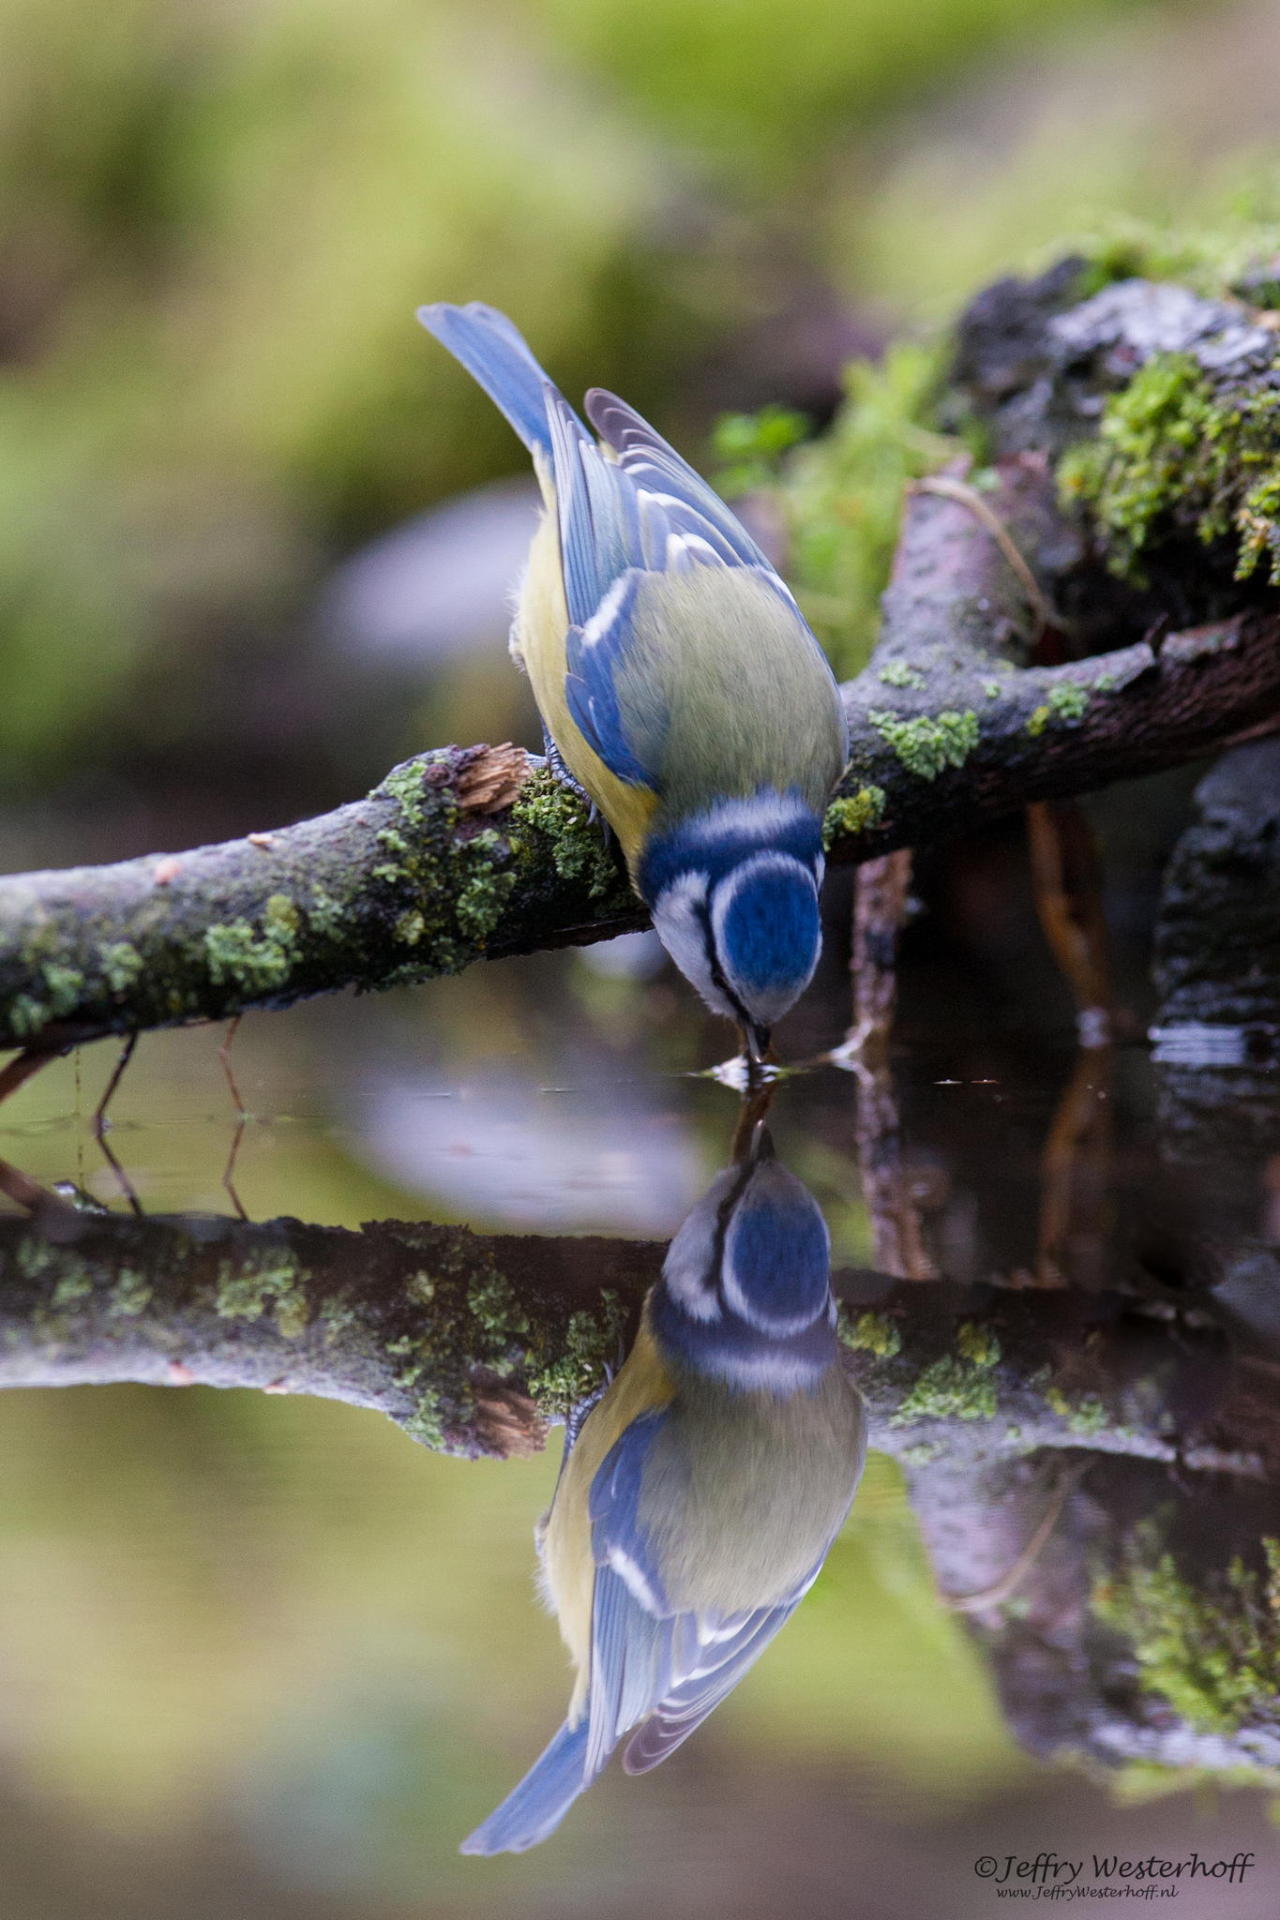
473	1343
1101	515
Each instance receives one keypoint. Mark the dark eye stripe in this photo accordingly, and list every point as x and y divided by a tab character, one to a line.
717	971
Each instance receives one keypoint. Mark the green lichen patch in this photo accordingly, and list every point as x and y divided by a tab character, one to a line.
949	1390
487	885
255	959
898	674
1084	1413
854	813
273	1282
28	1016
872	1333
1065	704
978	1345
590	1344
930	743
130	1295
1212	1652
121	964
63	987
1176	453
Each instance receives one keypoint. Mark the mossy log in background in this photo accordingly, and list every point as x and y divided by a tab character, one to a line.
1131	1616
1090	601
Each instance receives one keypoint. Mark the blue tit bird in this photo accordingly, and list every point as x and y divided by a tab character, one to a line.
699	1499
677	681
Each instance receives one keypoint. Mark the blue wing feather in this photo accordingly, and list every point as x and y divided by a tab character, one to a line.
497	356
629	509
537	1806
707	1676
691	507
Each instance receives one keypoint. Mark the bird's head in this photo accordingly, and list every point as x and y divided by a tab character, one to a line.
734	898
745	1294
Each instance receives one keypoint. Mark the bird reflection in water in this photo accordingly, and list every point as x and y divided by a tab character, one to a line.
701	1492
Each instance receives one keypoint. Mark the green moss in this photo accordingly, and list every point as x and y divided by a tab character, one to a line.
948	1390
928	744
254	960
841	496
121	964
899	674
1213	1653
130	1295
246	1290
1172	454
853	814
1067	702
576	844
978	1345
484	893
1084	1413
873	1333
750	446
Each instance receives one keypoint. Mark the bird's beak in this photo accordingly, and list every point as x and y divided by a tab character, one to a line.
757	1039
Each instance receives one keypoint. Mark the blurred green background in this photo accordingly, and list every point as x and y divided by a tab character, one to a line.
216	222
260	1657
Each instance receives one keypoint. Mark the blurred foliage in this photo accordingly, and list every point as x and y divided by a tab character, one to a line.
215	225
842	496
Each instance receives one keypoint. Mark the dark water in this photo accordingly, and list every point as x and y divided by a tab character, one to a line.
261	1654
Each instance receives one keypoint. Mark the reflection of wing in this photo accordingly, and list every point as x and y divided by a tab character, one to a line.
719	1652
652	1667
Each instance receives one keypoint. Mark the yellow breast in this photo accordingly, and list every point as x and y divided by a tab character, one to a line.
541	626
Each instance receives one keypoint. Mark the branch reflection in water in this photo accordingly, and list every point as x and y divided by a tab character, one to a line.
701	1492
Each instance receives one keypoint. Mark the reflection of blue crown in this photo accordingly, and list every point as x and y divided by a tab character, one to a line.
745	1293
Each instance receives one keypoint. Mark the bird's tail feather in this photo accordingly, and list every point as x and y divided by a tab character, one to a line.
537	1806
496	354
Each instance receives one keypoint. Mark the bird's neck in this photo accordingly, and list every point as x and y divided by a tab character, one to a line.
728	1349
722	835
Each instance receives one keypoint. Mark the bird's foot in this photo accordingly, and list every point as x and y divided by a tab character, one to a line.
555	760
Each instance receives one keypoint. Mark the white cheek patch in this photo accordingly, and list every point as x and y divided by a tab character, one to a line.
689	1269
678	916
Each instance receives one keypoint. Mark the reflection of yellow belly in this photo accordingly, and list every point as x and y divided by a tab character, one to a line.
542	624
642	1386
